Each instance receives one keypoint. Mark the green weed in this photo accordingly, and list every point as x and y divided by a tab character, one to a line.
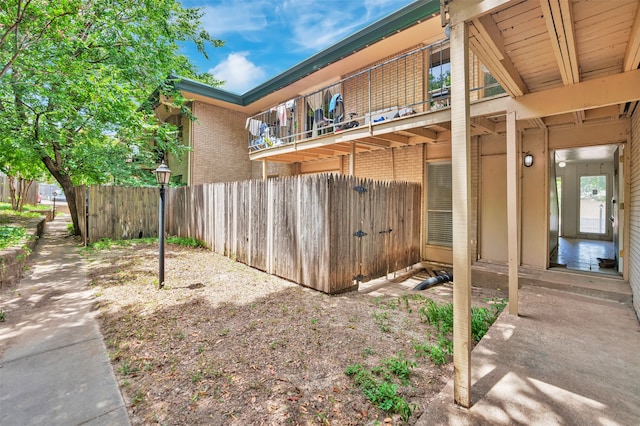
440	316
10	235
107	243
382	319
400	367
381	393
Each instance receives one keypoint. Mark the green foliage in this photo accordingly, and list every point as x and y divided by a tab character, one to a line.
382	320
70	229
482	318
437	353
76	80
7	213
3	315
11	235
400	367
440	316
186	242
380	392
107	243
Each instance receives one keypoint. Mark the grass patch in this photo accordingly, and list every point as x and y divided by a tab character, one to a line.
379	387
107	243
441	317
11	235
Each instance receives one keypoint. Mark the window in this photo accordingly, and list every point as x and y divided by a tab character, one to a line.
593	205
439	205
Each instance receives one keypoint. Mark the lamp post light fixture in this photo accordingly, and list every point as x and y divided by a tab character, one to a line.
162	177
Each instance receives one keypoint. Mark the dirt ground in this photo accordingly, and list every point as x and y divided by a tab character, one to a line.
223	343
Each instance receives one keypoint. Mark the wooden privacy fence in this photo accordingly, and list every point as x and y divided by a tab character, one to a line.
326	232
118	213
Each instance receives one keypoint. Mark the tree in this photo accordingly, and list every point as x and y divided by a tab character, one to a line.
74	75
22	169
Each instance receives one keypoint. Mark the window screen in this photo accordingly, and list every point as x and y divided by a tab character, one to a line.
439	216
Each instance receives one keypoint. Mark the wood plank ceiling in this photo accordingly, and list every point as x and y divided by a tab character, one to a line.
535	45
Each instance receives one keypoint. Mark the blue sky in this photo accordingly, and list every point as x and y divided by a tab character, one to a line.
263	38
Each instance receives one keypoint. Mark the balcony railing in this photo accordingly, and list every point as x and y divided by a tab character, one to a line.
412	83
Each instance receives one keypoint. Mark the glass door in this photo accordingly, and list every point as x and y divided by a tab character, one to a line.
593	204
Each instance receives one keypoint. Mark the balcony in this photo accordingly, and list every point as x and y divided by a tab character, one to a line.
412	84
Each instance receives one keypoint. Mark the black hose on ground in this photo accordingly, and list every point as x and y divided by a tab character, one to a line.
433	281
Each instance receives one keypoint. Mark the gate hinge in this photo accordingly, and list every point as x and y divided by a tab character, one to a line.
359	277
360	189
387	231
359	234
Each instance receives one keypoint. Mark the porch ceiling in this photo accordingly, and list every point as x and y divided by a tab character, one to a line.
535	45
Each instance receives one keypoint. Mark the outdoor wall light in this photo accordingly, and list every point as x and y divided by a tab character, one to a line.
162	177
528	159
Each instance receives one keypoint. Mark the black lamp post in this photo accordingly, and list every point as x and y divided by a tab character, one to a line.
162	177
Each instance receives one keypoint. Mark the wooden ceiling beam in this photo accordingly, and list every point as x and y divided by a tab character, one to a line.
427	135
375	142
485	124
601	92
462	11
393	137
632	55
558	15
488	45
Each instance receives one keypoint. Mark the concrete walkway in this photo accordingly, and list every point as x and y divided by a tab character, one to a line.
53	364
568	359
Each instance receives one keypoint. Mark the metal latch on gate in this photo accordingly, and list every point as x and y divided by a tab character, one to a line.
359	234
360	189
388	231
359	277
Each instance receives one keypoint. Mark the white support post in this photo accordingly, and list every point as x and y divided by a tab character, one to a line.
513	163
461	179
264	169
352	159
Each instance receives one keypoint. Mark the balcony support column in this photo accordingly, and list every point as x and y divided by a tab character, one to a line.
461	192
352	160
264	169
513	214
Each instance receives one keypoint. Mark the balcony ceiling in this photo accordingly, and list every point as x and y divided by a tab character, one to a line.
536	45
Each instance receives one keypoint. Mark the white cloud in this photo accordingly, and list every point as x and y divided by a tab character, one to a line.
239	73
234	17
316	24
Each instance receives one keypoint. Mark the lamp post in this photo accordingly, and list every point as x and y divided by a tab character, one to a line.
162	177
55	194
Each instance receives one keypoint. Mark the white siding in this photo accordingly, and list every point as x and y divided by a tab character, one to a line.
634	255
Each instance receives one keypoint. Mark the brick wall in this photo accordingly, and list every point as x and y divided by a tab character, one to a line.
403	163
220	151
634	233
273	169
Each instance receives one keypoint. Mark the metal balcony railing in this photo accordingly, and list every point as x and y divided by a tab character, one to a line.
414	82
